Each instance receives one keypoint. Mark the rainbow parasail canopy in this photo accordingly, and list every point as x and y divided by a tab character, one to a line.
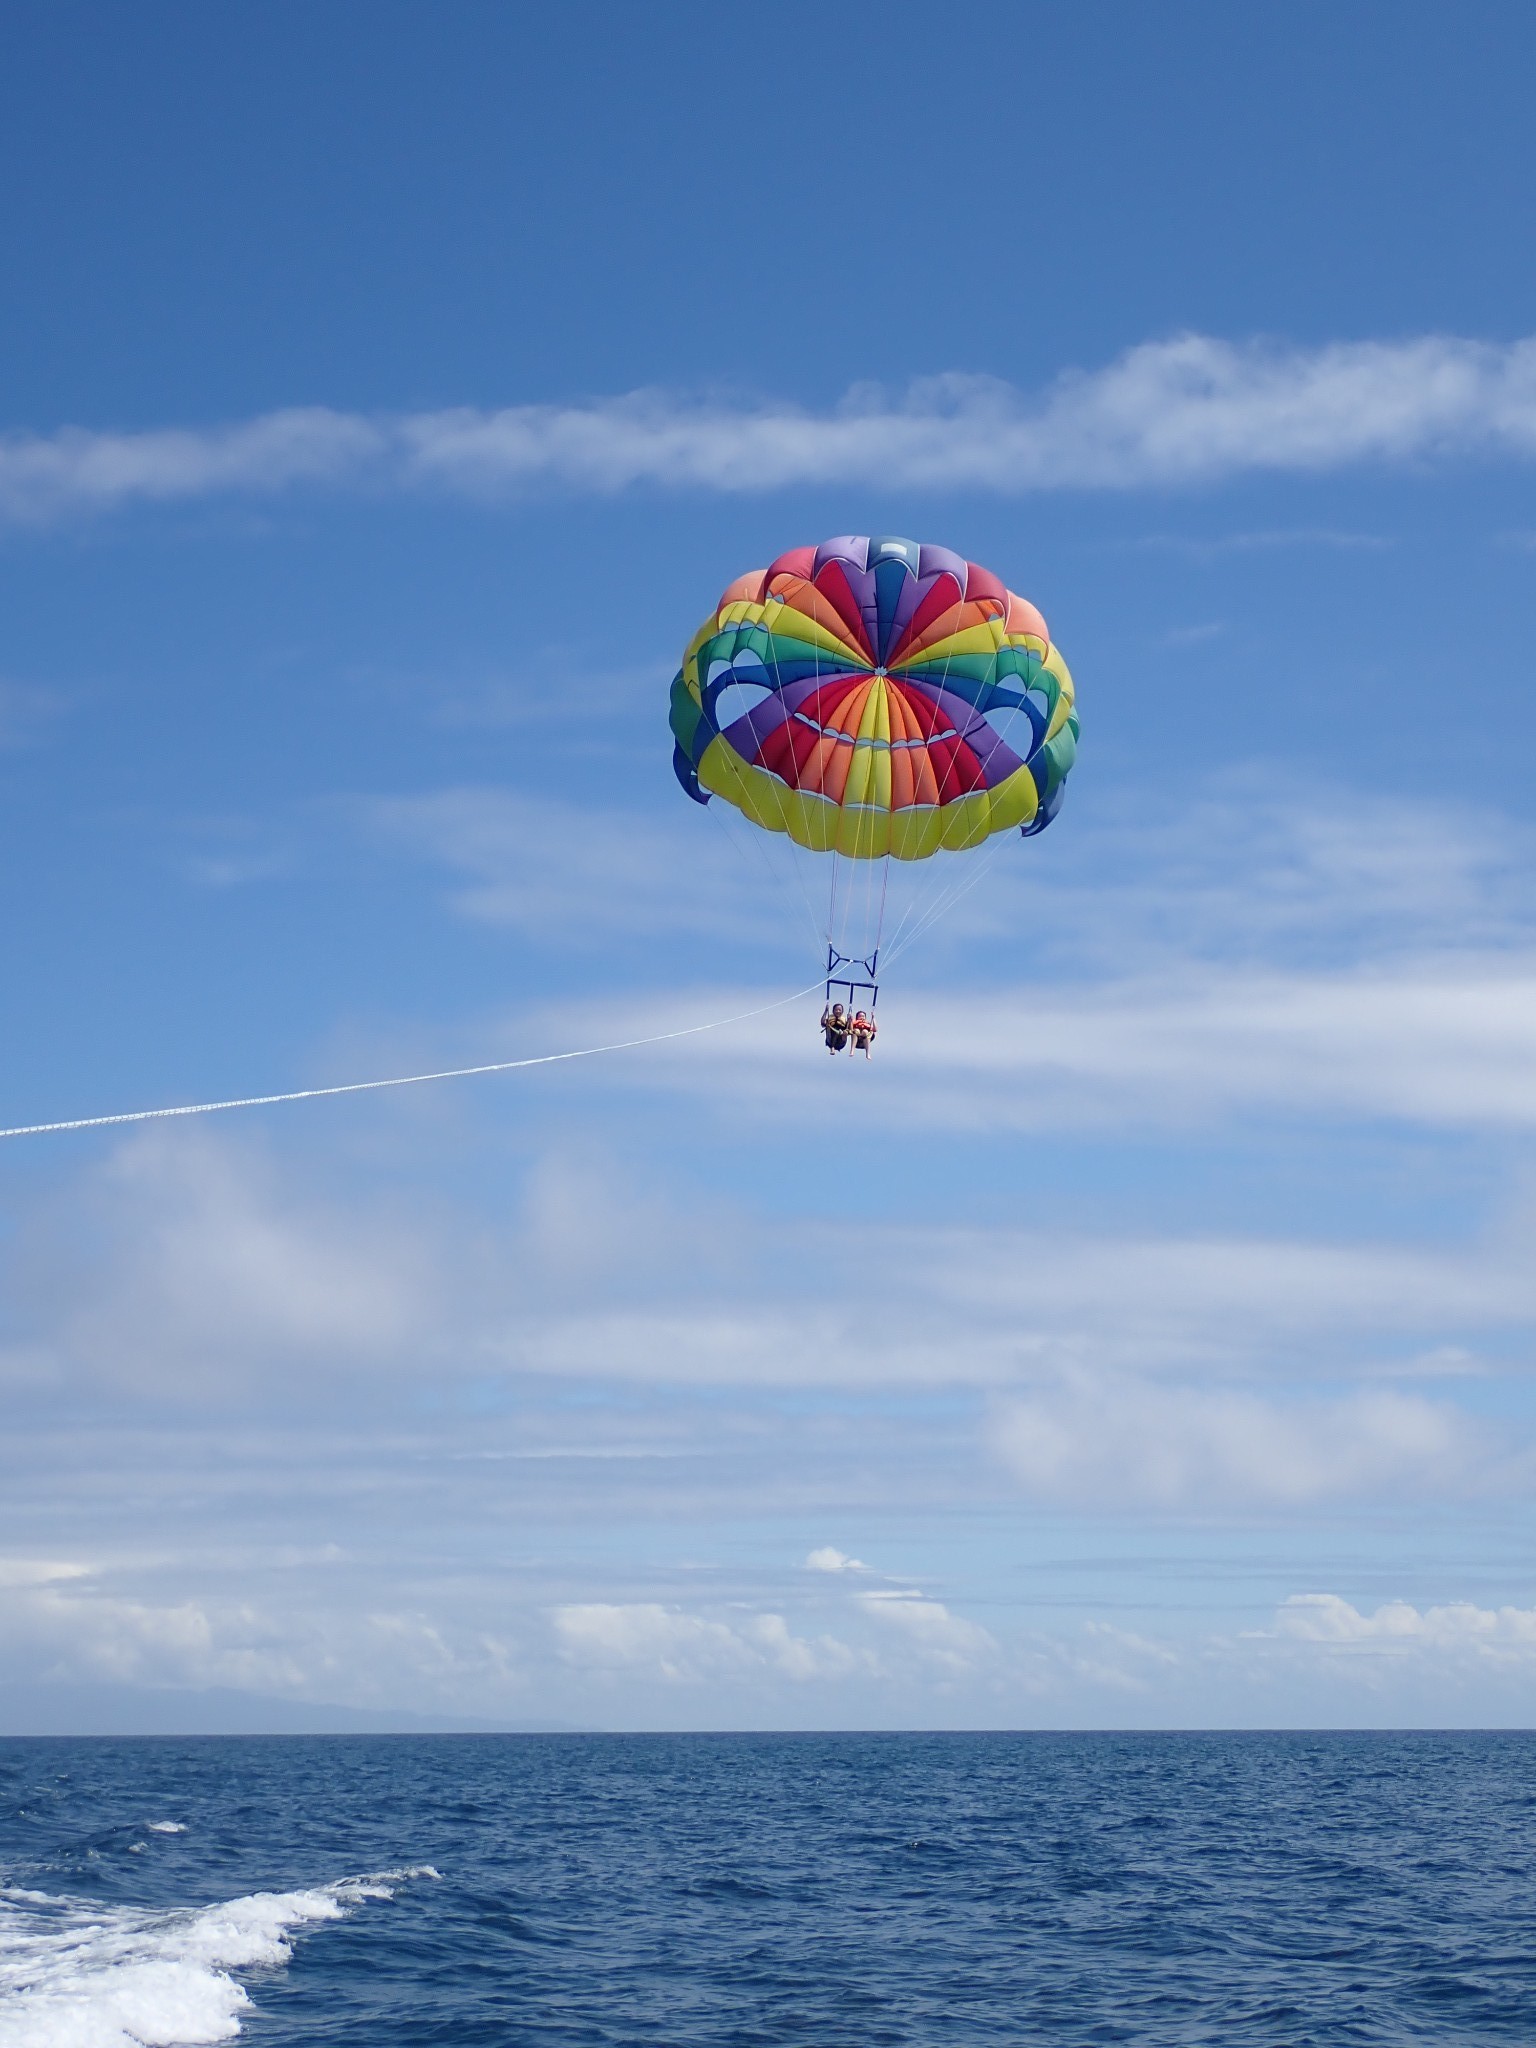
875	697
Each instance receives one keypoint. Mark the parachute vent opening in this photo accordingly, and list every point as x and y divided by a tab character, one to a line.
736	699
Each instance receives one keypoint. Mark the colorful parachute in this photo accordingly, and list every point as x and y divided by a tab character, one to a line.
876	698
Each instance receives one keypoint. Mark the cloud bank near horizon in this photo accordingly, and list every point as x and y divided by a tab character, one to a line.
497	1650
1190	410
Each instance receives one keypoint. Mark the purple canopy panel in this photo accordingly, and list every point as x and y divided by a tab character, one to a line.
998	760
934	561
747	733
914	591
851	549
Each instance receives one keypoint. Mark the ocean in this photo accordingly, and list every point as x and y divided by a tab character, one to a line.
831	1891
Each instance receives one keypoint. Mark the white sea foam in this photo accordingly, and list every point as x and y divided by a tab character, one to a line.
167	1827
74	1974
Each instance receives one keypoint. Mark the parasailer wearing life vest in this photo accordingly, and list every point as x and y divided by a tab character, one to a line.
836	1023
863	1031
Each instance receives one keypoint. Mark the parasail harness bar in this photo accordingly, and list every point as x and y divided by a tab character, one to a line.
843	985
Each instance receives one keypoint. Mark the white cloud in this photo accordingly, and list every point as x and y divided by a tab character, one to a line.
938	1637
564	870
677	1647
18	1572
1449	1043
1459	1632
1128	1304
680	1648
201	1271
76	470
1249	874
1188	410
829	1559
68	1624
196	1621
1119	1444
208	1274
1256	867
1126	1642
1205	547
1250	956
803	1658
1194	636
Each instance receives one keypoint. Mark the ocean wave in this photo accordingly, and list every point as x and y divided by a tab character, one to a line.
78	1974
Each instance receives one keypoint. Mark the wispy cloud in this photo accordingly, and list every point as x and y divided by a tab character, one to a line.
557	869
883	1632
122	1623
1194	636
213	1280
980	1309
1133	1445
651	1640
1444	1043
1450	1044
1250	878
205	1276
1189	410
1266	866
76	470
1267	540
1250	956
1253	869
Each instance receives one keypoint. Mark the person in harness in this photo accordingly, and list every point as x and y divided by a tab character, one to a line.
863	1031
836	1023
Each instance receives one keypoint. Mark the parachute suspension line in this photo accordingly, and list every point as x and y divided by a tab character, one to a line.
855	922
796	867
916	896
871	923
909	911
796	852
545	1059
725	817
941	905
874	917
797	860
926	912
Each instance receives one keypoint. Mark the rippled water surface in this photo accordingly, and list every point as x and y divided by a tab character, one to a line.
816	1890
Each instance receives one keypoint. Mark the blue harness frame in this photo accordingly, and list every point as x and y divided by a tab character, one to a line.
842	983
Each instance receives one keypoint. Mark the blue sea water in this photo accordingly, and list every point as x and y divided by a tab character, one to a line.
553	1892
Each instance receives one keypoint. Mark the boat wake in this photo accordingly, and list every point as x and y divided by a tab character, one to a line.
78	1974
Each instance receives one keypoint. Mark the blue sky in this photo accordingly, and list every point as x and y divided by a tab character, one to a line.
1144	1338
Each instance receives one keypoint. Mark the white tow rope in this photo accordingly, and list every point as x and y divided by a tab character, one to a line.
545	1059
